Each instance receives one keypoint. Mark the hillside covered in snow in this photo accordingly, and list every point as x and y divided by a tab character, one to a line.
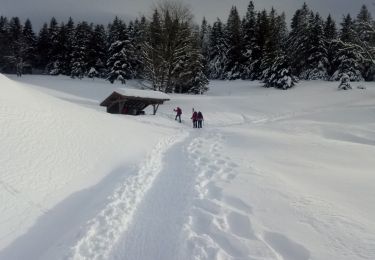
271	175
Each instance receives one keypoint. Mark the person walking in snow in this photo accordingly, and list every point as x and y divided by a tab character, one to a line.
194	118
200	119
178	111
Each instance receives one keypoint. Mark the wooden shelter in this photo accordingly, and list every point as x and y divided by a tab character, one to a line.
133	101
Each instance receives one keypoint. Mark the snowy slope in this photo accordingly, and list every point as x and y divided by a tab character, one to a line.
51	149
272	175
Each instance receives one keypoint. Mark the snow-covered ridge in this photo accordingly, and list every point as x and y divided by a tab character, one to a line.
51	148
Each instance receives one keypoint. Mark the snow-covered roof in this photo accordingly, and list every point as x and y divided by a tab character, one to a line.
142	93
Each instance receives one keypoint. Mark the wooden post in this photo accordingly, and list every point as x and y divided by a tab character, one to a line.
121	106
156	106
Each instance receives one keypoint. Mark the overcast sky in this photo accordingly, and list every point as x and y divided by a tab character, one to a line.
103	11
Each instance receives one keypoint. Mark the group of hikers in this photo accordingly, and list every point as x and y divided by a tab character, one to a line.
197	117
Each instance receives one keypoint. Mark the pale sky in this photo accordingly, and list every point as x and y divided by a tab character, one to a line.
103	11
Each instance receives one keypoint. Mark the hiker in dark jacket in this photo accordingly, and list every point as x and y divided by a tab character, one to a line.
194	119
200	119
178	111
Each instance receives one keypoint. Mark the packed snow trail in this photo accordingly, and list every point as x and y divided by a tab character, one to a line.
103	231
155	232
184	215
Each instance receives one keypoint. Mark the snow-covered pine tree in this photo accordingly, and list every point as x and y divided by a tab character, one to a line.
348	57
4	43
81	41
134	61
262	34
275	39
198	82
15	34
316	67
97	51
364	29
276	69
43	46
119	61
330	35
54	45
139	38
176	33
67	35
152	52
172	58
189	72
217	52
28	47
116	29
204	42
57	66
120	53
249	42
279	75
234	42
298	42
363	25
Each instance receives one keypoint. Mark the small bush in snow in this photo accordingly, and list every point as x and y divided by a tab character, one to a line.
345	82
121	79
93	73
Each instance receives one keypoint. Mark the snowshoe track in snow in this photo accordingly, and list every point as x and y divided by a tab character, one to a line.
219	226
103	231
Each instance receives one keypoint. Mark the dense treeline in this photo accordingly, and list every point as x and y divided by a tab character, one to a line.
260	47
165	50
175	55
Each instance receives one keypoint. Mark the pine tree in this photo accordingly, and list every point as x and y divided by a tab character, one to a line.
132	51
79	62
262	35
249	41
275	39
28	48
97	50
54	50
217	52
317	61
116	30
43	46
363	25
204	42
172	57
152	52
119	61
189	71
348	58
176	44
68	46
5	50
364	29
234	41
298	42
139	37
15	34
330	35
279	75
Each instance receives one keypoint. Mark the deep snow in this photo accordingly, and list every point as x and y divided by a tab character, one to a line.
272	175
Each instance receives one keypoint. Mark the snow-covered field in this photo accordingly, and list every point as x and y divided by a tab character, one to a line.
272	175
